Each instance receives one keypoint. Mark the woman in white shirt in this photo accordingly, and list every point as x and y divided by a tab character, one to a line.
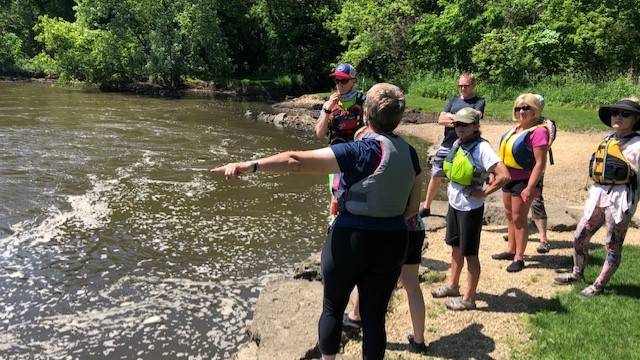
613	197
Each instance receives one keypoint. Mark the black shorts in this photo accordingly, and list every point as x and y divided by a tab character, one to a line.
515	187
463	230
414	251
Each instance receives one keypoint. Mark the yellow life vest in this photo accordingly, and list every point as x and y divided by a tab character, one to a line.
514	151
608	166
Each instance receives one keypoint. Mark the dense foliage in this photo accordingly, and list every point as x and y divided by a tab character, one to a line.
508	42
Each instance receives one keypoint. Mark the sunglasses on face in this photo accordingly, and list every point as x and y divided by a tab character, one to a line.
460	124
523	108
341	81
624	114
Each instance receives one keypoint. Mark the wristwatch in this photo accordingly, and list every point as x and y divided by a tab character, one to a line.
326	110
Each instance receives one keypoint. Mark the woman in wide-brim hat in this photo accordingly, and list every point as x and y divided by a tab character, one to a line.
614	195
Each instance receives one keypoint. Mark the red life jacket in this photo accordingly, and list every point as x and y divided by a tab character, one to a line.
343	123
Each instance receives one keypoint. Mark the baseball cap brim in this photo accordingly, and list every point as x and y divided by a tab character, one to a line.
340	75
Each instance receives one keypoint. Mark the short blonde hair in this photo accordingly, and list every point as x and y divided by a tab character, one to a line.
528	99
384	107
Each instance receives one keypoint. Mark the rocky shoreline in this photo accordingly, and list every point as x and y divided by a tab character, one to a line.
301	113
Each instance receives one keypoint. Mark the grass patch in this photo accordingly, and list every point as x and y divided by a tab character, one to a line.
434	277
575	91
567	118
431	97
603	327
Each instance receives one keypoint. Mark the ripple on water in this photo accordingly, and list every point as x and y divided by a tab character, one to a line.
150	256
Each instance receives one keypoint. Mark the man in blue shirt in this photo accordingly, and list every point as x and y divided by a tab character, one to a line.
467	98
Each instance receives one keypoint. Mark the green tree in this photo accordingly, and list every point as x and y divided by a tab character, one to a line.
443	39
296	41
374	33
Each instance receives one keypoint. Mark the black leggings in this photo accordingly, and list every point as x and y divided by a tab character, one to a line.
372	260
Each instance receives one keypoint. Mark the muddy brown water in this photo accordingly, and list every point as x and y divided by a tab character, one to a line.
115	242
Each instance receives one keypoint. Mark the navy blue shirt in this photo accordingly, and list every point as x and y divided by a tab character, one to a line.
454	105
357	160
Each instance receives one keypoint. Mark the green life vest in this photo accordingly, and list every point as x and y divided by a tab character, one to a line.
458	166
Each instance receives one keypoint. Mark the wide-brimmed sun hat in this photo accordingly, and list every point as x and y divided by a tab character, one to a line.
625	105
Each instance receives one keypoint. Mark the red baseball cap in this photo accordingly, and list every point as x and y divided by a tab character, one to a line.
344	71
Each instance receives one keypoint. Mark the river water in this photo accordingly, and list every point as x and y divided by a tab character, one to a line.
115	242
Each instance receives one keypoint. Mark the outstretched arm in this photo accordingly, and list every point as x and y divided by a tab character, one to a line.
320	161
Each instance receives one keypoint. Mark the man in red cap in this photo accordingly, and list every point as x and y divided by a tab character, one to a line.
340	118
341	115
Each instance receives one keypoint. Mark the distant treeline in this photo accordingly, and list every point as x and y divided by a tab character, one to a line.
506	42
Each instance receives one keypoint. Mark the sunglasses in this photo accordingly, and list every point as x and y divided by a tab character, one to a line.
624	114
341	81
523	108
460	124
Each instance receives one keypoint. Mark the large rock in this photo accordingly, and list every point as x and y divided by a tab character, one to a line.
309	269
434	223
494	214
560	219
285	322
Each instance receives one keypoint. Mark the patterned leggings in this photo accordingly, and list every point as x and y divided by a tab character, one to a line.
614	240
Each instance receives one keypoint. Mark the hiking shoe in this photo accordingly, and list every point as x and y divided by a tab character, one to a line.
566	279
591	291
350	323
503	256
458	304
416	347
543	247
424	212
445	291
515	266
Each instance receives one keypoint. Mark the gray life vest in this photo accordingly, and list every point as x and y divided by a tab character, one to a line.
386	191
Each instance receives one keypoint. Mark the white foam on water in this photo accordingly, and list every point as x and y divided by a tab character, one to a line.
91	210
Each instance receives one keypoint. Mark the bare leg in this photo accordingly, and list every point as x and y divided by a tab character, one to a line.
511	242
541	224
409	279
473	266
354	314
432	190
457	263
519	212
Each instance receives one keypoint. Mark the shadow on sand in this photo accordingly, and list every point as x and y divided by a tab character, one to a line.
467	344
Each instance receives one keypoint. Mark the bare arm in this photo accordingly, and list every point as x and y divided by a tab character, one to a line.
446	119
322	125
414	197
500	177
320	161
540	154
